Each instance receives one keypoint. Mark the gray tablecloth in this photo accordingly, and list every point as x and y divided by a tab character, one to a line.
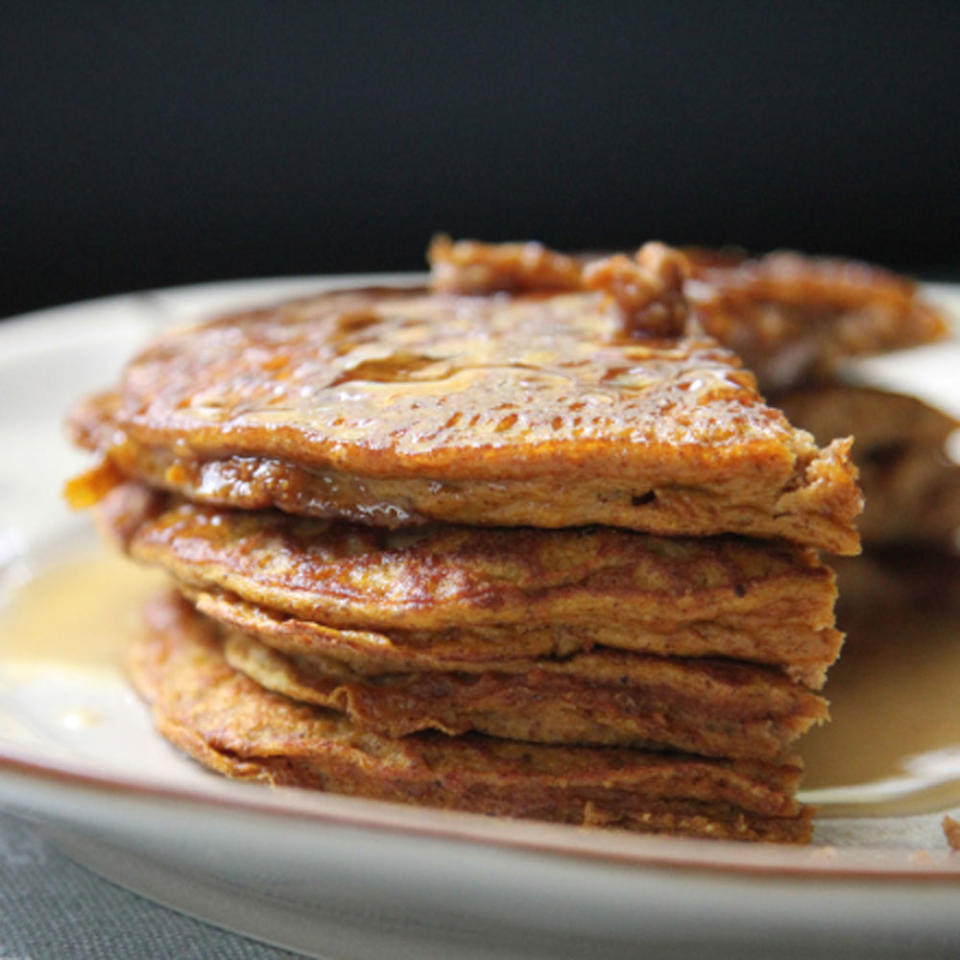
54	909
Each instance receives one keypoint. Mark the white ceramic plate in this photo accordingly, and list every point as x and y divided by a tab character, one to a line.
344	877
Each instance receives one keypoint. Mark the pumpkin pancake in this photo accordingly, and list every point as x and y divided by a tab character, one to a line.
912	486
534	408
791	318
452	597
714	708
231	724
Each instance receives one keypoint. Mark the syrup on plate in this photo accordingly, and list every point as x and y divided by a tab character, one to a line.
892	746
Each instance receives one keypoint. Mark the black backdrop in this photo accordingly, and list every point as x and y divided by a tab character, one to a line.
147	144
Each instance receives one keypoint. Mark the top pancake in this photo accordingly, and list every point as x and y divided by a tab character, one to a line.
395	407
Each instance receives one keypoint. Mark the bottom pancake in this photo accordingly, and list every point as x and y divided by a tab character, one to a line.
234	726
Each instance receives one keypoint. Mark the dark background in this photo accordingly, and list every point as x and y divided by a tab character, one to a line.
148	144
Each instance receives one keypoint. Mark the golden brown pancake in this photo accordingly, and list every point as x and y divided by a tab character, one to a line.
791	318
399	407
234	726
912	488
473	267
470	598
714	708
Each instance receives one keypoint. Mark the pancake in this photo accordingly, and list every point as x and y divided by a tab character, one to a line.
912	487
399	407
232	725
713	708
372	654
791	318
457	598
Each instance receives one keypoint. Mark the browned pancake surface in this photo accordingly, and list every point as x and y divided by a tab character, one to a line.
711	708
234	726
484	595
395	407
912	487
793	318
790	317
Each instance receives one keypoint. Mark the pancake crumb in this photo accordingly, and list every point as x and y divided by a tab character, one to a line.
951	830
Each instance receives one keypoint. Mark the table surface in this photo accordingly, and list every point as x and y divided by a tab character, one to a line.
53	909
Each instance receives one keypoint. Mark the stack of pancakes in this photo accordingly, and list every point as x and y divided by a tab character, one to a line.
528	543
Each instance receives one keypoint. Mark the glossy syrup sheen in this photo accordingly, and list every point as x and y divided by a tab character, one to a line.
81	613
892	748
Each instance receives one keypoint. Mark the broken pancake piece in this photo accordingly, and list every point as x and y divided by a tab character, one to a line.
231	724
399	407
471	598
791	318
912	485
